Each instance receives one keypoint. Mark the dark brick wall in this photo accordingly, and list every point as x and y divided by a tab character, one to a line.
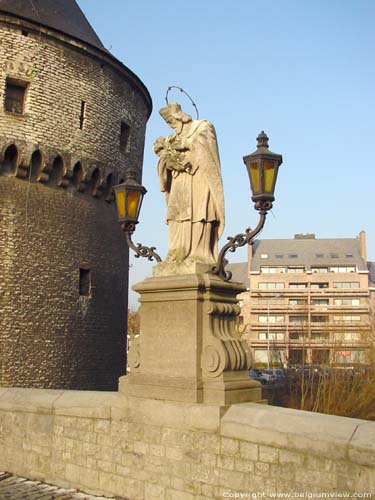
60	77
50	335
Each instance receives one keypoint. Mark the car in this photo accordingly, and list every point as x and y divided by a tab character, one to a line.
257	375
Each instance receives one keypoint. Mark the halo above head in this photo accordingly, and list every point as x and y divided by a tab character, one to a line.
184	92
173	110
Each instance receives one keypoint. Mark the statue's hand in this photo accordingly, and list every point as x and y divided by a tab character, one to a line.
159	145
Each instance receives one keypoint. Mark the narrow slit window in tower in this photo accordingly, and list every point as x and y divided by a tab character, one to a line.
124	136
82	116
84	282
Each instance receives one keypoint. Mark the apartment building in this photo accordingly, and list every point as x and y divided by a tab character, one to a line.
309	300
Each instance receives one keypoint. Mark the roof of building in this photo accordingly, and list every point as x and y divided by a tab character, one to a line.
239	272
65	17
61	15
308	252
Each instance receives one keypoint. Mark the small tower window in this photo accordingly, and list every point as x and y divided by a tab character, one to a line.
124	137
82	116
84	282
15	94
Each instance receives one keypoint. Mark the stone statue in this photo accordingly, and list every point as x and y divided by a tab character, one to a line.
189	173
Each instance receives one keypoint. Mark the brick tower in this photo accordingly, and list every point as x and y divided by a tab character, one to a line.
72	121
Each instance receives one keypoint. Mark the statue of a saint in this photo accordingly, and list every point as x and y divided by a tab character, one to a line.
189	172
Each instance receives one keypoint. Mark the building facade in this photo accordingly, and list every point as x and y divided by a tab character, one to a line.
309	300
72	122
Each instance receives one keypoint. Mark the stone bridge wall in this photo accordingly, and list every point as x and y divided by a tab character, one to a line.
103	443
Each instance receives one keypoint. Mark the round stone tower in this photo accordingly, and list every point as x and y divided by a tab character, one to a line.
72	121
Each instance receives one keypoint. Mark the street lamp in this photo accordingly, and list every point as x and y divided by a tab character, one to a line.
129	196
262	167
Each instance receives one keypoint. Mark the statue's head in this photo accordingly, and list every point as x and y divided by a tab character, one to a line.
174	115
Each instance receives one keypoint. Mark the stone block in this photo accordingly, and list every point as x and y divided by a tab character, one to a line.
290	429
249	451
86	404
243	465
209	459
225	462
362	444
174	453
154	491
286	456
171	494
29	400
157	450
229	446
268	454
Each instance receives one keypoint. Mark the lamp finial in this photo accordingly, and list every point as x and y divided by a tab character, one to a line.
262	140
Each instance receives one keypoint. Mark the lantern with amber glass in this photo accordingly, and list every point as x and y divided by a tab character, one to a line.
129	196
262	167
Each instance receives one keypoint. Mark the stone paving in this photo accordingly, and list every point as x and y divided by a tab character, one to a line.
19	488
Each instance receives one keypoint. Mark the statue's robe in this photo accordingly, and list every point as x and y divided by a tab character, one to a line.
195	200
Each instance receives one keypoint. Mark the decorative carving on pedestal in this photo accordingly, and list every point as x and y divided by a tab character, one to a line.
134	353
226	350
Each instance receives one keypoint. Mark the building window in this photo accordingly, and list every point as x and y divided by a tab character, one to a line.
319	319
270	286
314	286
320	302
343	269
292	256
349	255
297	285
272	318
82	115
320	336
346	302
346	284
296	270
270	270
272	336
297	319
124	137
319	269
319	255
84	282
346	318
295	336
334	255
15	95
297	302
279	256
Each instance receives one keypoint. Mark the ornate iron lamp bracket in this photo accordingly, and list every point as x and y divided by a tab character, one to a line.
139	249
240	240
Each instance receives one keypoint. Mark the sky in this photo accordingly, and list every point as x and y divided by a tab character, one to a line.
302	71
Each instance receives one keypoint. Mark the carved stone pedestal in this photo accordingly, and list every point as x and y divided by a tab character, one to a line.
190	349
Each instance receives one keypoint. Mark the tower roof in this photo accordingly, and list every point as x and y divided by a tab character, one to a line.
61	15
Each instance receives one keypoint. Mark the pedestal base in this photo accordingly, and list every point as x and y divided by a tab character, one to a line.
189	349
